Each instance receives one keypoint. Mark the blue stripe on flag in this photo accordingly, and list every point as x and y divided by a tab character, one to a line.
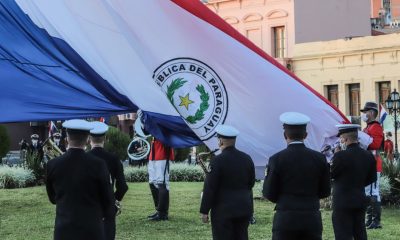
43	78
170	130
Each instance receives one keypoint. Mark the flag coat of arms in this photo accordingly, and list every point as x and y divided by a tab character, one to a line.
186	68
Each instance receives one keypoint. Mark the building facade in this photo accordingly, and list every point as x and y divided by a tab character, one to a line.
351	72
277	25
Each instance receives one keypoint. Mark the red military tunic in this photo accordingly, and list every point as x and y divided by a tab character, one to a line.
375	131
388	148
158	151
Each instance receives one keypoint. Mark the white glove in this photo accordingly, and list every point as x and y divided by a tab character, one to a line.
364	140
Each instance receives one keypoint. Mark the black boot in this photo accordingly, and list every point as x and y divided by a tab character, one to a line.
376	214
155	195
368	217
163	205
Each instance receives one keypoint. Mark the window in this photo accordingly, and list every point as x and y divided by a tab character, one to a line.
354	99
333	94
384	91
279	41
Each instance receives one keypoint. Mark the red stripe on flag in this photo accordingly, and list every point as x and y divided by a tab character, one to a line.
201	11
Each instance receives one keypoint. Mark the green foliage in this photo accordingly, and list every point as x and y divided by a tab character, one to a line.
35	164
384	186
4	141
136	174
178	172
391	169
15	177
31	207
181	154
186	173
202	148
117	142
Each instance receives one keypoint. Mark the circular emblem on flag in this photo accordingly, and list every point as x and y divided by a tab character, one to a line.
196	92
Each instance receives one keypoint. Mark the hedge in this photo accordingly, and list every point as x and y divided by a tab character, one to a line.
15	177
179	172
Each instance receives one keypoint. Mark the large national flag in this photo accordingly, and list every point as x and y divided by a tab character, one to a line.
180	63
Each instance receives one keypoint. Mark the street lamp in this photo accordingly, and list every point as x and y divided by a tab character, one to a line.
393	105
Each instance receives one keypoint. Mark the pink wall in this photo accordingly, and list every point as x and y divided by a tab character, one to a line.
256	19
376	5
323	20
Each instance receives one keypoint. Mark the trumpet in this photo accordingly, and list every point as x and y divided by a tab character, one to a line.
50	149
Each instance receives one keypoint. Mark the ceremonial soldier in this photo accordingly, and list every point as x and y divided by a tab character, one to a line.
79	185
297	178
353	168
115	168
373	143
36	146
158	169
58	142
228	189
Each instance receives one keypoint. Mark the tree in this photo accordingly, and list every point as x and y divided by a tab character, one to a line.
4	141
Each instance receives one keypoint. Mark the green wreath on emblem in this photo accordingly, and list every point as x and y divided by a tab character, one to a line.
203	106
175	84
178	83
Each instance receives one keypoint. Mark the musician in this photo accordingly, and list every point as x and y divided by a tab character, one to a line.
115	168
36	146
352	169
79	185
58	142
373	143
297	178
158	168
228	189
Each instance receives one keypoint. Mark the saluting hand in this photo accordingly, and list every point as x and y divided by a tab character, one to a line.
204	218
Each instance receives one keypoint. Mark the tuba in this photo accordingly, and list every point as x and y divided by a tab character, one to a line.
138	149
50	149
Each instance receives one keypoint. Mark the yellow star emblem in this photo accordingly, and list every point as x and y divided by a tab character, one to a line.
185	101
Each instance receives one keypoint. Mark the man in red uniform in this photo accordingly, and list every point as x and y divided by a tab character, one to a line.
158	168
375	132
388	147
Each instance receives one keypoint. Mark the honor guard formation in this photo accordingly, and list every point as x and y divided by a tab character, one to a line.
88	187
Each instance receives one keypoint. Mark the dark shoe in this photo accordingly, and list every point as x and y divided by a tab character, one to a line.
152	215
159	217
374	226
252	220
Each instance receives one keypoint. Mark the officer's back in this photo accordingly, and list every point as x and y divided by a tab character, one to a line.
300	174
236	174
78	183
352	170
297	177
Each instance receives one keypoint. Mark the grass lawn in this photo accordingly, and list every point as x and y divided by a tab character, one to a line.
27	214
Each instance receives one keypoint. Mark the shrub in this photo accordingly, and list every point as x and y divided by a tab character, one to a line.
34	162
179	172
136	174
15	177
117	142
384	186
391	169
185	173
4	141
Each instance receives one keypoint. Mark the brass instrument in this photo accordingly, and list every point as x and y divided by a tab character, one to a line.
201	156
138	149
51	150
